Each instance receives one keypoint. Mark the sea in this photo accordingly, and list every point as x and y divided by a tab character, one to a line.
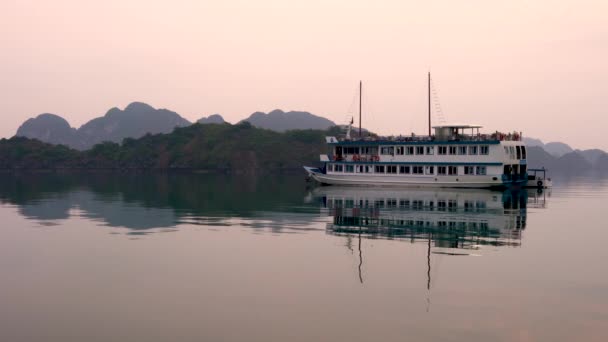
209	257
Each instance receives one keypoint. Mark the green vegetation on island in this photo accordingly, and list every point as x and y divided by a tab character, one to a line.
239	148
224	147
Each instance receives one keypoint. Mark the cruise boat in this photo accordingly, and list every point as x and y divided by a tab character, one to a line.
454	156
449	158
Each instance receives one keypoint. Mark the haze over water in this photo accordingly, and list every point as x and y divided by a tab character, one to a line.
208	257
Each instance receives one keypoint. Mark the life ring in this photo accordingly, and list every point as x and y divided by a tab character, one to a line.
539	183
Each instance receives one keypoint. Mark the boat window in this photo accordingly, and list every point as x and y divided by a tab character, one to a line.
472	149
481	170
523	152
379	169
512	152
417	170
518	150
409	150
469	170
441	170
360	168
452	149
469	205
484	149
419	149
351	150
386	150
349	168
338	167
443	150
404	169
400	150
452	170
506	150
429	170
441	204
462	150
330	167
452	205
368	169
430	149
391	169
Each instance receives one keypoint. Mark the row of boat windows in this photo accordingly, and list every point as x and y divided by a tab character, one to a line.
341	220
409	169
416	150
516	152
451	204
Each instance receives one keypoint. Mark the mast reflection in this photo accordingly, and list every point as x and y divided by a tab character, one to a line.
446	220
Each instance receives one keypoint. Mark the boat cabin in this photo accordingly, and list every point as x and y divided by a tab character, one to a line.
456	132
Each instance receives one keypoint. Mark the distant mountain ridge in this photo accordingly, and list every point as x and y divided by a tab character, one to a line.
556	149
560	157
573	162
280	121
50	128
135	121
139	119
212	119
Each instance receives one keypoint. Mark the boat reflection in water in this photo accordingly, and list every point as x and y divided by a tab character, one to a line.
462	219
448	221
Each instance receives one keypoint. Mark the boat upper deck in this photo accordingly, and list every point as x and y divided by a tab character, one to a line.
445	134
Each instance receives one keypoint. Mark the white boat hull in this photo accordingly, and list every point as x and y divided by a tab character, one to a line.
406	181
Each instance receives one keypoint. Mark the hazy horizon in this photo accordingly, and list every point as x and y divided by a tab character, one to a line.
538	68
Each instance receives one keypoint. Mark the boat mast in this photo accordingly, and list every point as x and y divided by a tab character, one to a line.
429	89
360	95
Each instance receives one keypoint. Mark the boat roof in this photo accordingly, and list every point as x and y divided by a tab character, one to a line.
457	126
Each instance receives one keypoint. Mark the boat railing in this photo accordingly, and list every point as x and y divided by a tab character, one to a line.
496	136
356	158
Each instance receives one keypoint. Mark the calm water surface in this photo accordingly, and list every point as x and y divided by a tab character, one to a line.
217	258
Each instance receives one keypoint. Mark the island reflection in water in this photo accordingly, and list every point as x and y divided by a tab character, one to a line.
146	202
451	218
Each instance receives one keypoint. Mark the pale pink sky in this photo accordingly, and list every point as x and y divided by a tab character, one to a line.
540	67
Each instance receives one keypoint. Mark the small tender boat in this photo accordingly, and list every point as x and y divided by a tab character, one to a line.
537	178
